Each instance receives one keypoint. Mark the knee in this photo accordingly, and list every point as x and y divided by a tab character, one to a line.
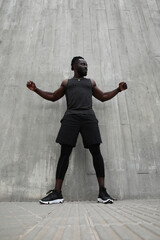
95	149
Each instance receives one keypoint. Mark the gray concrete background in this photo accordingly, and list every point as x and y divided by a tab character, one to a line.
120	39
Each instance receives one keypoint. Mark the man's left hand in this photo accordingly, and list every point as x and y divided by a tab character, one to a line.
123	86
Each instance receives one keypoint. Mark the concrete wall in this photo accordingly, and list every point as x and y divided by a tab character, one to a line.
120	40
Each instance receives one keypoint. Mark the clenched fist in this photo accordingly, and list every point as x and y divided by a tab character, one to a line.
31	85
122	86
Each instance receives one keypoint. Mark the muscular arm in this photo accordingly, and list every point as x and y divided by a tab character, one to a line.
50	96
105	96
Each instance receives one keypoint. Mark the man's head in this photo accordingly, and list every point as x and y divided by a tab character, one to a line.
79	66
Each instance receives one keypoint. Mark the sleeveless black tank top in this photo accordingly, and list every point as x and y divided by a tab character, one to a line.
79	96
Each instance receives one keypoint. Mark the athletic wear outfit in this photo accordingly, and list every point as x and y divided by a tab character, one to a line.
78	118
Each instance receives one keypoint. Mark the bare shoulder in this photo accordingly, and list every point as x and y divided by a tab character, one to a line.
64	83
93	83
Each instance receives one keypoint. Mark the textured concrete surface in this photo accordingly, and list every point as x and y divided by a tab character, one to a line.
120	40
123	220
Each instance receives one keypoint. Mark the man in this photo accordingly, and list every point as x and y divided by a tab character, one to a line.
78	118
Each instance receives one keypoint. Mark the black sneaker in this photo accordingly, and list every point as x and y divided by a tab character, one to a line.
104	197
53	197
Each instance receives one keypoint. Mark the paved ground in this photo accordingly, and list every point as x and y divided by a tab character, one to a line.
127	220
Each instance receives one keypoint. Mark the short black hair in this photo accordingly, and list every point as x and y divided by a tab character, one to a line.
75	60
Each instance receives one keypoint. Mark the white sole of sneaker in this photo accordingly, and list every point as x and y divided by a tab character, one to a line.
100	200
52	202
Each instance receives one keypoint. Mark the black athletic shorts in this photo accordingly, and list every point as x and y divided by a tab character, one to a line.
73	124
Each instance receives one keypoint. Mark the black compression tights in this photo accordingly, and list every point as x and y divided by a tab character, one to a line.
98	162
64	161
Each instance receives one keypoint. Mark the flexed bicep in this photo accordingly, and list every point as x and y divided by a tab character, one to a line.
97	93
50	96
105	96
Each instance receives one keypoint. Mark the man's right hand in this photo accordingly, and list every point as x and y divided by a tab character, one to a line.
50	96
31	85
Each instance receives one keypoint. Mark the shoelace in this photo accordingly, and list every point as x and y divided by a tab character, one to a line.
50	191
